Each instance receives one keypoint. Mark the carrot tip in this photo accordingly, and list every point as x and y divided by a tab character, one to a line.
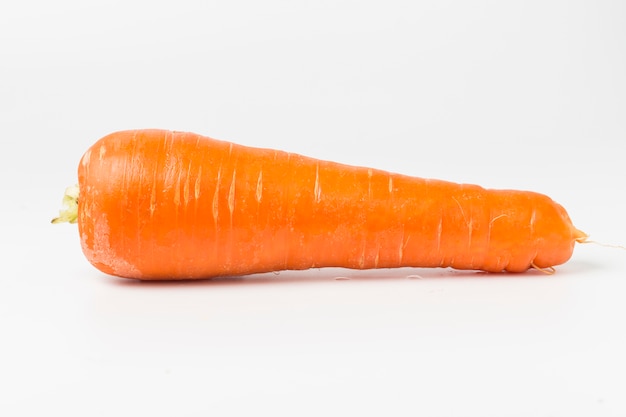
580	236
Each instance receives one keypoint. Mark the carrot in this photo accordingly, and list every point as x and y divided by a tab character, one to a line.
157	204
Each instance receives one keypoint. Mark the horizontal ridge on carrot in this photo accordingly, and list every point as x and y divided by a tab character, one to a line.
157	204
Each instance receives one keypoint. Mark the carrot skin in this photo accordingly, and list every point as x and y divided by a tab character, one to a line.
157	204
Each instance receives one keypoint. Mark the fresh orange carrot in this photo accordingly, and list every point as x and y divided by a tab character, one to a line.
157	204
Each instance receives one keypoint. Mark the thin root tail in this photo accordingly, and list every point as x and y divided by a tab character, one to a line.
548	271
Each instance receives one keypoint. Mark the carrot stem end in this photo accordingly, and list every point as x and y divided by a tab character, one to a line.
69	212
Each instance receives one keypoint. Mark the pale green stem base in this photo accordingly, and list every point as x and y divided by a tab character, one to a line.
69	213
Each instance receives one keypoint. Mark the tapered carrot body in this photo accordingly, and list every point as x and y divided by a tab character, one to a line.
157	204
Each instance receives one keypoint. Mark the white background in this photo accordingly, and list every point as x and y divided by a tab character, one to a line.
528	94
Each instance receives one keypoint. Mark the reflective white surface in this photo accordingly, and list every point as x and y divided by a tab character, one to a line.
529	96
